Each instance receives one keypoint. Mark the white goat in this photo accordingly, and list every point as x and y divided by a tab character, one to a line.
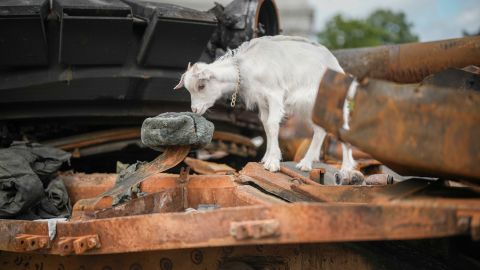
278	74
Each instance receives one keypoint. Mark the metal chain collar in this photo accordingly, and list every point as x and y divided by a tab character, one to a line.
237	87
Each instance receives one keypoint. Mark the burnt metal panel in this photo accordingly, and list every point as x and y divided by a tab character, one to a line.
93	32
162	35
172	28
22	33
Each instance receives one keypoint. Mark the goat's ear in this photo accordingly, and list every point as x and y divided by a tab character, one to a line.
189	66
205	74
181	83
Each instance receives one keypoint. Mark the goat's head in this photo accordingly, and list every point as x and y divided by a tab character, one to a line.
204	88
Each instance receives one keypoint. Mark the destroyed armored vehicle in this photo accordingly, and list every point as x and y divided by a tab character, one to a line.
80	77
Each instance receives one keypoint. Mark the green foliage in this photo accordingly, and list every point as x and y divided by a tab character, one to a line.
381	27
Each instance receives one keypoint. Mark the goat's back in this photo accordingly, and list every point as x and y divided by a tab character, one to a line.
291	67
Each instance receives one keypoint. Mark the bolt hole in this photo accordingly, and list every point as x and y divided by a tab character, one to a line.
81	244
65	247
33	243
22	242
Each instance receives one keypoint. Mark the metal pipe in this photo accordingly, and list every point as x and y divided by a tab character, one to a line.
411	62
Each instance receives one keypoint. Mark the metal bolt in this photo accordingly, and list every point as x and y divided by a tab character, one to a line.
136	266
91	242
166	264
196	256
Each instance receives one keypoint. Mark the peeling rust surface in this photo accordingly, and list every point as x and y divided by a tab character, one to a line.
254	229
313	222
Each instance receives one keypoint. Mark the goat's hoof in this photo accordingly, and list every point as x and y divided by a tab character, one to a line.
304	165
349	177
272	165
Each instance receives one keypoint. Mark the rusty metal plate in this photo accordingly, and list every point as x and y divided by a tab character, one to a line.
298	223
277	183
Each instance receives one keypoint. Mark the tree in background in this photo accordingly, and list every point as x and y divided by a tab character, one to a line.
381	27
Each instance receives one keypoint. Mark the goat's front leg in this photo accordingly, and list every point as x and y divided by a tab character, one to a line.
272	125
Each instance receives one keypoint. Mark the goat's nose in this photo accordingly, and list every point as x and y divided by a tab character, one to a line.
194	109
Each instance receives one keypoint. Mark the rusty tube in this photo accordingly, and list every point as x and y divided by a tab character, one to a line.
379	179
411	62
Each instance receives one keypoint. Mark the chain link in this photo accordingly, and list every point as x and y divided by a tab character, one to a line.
237	87
234	99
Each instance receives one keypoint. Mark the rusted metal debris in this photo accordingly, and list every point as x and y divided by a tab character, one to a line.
171	157
281	186
411	62
385	123
246	215
205	167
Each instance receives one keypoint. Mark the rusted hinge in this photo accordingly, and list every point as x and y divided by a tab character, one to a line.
30	242
254	229
78	244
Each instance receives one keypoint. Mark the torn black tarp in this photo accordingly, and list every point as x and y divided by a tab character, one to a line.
28	189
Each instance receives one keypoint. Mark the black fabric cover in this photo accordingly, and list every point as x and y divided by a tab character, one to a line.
26	187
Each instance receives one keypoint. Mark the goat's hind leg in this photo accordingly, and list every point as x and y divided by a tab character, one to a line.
263	114
347	173
313	152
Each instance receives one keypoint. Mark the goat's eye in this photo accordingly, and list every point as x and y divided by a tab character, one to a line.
201	86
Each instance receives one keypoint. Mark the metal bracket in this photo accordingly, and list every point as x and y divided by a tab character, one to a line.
30	242
78	244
